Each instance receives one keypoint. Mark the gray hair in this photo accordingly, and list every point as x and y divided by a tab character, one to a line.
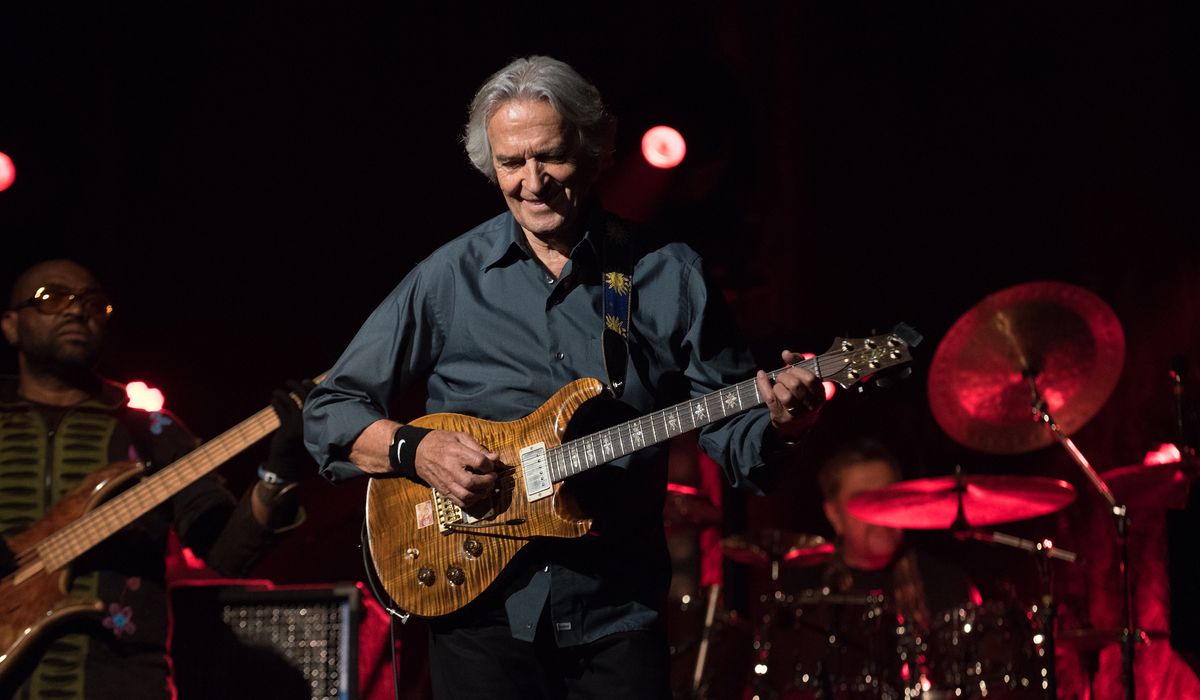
576	100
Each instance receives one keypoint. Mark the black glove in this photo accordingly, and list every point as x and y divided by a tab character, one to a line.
289	460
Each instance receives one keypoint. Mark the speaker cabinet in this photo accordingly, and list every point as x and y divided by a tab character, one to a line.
247	641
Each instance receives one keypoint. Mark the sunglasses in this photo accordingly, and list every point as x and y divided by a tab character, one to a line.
51	300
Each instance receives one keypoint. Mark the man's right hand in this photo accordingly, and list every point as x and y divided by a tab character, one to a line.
457	465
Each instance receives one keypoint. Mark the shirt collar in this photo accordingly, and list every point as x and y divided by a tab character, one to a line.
511	244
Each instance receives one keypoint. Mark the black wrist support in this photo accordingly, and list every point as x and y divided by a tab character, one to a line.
402	454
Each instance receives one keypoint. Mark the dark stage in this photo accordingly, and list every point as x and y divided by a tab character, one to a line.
250	179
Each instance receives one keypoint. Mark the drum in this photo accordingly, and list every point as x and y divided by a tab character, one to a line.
988	650
820	645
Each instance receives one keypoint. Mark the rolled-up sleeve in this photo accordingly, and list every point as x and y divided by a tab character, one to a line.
396	346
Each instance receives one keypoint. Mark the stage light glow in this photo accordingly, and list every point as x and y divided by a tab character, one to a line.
663	147
8	171
144	397
1165	454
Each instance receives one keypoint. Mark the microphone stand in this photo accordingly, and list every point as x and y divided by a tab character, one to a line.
1120	519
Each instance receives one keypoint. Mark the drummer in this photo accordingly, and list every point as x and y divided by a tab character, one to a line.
872	558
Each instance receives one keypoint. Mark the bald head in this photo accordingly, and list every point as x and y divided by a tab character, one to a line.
63	273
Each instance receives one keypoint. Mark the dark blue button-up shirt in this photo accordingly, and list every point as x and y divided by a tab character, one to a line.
493	335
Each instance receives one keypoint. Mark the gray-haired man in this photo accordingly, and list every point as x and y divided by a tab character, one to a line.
495	322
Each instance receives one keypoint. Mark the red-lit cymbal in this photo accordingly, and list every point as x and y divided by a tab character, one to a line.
788	548
932	504
1064	336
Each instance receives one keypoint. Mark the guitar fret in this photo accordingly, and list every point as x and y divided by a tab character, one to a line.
97	525
697	412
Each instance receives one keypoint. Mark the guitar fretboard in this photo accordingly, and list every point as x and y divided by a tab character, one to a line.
577	456
60	548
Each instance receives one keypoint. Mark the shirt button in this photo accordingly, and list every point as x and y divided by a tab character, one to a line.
549	280
559	356
546	569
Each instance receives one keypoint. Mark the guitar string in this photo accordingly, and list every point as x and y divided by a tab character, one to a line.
72	540
653	420
572	467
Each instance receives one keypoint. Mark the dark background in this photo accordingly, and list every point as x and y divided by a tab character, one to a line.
250	179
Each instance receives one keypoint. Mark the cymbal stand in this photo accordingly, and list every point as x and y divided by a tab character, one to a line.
1120	519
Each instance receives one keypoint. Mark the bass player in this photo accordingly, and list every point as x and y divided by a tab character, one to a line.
59	423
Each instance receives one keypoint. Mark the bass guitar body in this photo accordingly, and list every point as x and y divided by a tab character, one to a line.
35	597
432	557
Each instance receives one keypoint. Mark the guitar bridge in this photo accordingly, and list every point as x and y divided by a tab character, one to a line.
448	514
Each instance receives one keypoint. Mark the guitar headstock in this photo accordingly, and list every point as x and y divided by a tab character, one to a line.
850	361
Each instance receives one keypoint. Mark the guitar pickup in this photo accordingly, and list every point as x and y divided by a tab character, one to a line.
535	467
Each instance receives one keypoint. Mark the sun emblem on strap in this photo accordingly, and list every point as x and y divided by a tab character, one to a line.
614	324
618	281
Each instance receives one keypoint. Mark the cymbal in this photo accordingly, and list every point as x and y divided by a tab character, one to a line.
1063	336
932	504
686	505
789	548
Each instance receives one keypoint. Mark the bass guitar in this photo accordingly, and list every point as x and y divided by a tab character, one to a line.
433	557
35	596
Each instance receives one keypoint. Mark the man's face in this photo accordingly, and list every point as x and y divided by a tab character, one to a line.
864	545
538	167
68	339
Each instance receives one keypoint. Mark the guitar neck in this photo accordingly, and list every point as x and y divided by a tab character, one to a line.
81	535
579	455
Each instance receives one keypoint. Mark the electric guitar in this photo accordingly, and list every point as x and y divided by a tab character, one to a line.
433	557
35	596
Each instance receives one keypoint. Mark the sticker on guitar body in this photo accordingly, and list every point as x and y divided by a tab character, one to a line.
424	514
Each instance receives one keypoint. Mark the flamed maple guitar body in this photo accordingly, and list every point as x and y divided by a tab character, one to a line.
433	558
403	516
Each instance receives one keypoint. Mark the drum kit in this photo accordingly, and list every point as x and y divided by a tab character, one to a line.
1021	370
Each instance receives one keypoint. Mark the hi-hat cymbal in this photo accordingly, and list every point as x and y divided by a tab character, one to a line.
932	504
1064	337
788	548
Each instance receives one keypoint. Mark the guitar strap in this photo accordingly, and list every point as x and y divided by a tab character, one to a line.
616	262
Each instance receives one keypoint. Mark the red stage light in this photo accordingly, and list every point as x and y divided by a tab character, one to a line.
8	172
1165	454
663	147
144	397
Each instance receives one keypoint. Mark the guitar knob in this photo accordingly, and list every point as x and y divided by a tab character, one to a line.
425	576
473	548
455	576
